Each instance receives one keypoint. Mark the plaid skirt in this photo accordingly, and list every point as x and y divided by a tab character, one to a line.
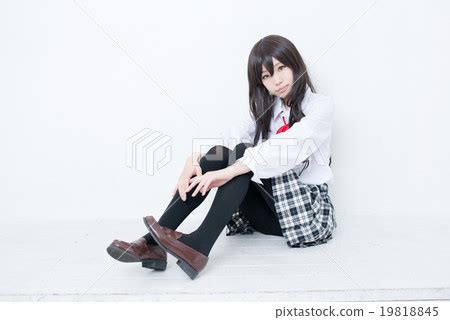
305	212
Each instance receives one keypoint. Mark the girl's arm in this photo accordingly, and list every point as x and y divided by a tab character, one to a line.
237	168
290	148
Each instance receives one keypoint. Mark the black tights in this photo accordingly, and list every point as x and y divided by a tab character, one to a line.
255	201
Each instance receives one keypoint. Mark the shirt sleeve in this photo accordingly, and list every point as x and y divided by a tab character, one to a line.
290	148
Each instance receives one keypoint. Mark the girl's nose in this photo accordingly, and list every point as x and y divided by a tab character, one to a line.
278	80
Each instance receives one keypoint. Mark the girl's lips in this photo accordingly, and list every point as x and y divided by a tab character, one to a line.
281	90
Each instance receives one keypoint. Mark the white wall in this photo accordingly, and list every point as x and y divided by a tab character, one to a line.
76	83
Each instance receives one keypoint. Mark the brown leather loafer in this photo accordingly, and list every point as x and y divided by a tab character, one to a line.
152	256
190	261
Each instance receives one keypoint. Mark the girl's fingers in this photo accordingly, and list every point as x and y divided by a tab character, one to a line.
206	188
203	189
182	195
193	183
184	191
200	185
174	190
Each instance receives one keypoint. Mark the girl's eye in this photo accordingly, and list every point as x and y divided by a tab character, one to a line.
264	77
281	67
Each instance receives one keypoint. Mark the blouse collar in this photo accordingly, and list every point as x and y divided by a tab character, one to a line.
280	107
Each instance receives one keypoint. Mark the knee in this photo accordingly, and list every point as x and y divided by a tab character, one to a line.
238	151
215	159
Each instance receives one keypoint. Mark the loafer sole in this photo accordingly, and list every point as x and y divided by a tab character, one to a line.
121	254
124	256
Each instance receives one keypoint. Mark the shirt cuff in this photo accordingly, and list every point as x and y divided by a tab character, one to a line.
250	162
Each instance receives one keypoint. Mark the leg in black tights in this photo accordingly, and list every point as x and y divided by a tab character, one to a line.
255	201
178	210
259	208
228	198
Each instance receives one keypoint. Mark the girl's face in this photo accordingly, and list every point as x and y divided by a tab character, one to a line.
280	83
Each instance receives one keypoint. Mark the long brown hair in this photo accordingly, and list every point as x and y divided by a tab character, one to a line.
261	101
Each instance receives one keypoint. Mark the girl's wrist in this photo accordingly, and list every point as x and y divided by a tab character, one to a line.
237	168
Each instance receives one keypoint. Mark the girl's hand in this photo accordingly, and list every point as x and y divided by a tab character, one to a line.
191	167
209	180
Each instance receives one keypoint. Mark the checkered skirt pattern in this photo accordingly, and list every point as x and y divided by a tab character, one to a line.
305	212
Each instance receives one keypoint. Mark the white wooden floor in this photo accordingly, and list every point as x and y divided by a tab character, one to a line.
370	258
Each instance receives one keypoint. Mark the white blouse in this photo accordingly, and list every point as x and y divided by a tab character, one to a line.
310	138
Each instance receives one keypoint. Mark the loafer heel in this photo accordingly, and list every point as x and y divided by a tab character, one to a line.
191	272
154	264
